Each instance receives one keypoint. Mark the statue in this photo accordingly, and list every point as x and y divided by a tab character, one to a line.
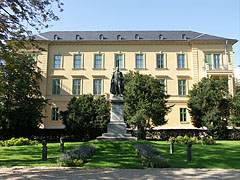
117	83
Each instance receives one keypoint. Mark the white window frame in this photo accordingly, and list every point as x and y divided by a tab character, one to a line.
55	114
144	60
94	86
55	88
82	61
183	115
185	58
61	61
80	88
186	90
103	62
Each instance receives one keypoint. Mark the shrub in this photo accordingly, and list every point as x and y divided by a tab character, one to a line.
194	140
18	142
150	156
77	157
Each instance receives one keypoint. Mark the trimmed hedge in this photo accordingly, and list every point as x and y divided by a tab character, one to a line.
18	142
194	140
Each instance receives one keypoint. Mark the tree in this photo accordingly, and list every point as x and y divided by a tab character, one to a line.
145	102
21	101
17	16
235	110
209	105
86	116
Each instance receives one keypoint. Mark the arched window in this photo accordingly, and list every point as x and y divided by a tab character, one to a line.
160	36
55	37
101	37
184	37
137	37
119	37
78	37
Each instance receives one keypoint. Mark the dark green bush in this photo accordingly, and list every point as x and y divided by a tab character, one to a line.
77	157
18	142
150	156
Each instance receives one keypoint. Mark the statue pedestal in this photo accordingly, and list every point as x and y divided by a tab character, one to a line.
116	129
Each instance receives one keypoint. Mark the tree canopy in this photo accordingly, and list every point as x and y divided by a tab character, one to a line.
18	17
209	105
145	102
21	101
86	116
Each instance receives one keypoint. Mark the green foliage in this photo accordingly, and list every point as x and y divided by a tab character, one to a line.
235	110
150	156
21	101
209	104
86	116
194	140
18	142
145	102
77	157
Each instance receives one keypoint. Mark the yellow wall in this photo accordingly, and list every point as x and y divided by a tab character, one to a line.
193	73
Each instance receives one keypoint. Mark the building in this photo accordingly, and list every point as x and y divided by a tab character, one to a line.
80	62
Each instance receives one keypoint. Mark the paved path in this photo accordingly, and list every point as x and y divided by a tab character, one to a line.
55	173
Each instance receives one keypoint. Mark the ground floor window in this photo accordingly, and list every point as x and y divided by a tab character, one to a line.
97	86
183	114
55	114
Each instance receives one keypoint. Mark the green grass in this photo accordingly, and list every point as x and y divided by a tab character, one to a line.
225	154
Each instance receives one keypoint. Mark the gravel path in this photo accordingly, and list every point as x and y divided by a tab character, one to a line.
55	173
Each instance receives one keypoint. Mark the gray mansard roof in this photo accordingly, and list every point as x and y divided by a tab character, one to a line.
111	36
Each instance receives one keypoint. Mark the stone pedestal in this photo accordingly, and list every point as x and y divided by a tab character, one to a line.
116	129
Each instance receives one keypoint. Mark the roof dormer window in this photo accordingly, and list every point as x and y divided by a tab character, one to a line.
101	37
160	36
119	37
184	37
55	37
78	37
137	37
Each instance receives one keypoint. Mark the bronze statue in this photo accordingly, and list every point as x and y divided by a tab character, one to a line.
117	83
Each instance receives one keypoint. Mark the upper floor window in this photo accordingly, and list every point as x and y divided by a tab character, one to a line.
78	37
57	61
208	59
98	61
160	61
139	61
163	82
97	86
217	61
137	37
55	114
56	86
182	87
119	37
78	61
76	90
119	60
101	37
181	61
183	114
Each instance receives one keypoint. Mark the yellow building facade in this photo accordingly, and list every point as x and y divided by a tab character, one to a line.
81	62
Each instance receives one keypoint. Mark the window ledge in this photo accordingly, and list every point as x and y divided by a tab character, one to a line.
184	122
182	69
78	69
140	69
182	96
123	69
98	68
58	69
161	69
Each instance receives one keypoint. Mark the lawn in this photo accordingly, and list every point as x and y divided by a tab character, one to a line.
225	154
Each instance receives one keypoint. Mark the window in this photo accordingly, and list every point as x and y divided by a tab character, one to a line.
160	36
98	61
137	37
184	37
78	37
56	86
76	89
208	59
78	61
55	37
57	61
181	61
97	86
55	113
101	37
160	61
183	115
163	82
182	87
119	37
139	60
119	60
217	61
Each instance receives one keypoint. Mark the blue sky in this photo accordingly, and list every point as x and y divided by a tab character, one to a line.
216	17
